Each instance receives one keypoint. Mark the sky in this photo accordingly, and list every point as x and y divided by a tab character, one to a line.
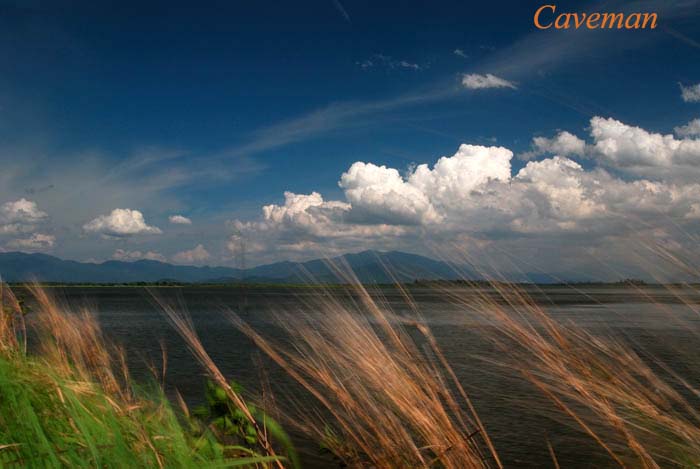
190	133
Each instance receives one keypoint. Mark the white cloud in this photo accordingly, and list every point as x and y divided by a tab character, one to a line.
310	216
560	195
381	206
22	210
475	81
119	223
378	193
474	195
562	144
641	152
462	175
20	216
179	220
691	129
193	256
130	256
460	53
303	210
304	225
36	242
23	217
690	94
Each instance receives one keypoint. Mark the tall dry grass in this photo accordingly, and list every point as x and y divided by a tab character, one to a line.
390	398
12	327
387	397
635	407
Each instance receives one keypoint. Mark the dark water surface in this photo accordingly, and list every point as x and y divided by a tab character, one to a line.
515	419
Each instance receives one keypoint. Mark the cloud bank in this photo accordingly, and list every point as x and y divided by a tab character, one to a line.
643	153
475	195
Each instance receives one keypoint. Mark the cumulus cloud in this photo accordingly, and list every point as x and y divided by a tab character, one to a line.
559	195
381	206
304	210
20	216
691	129
378	193
193	256
641	152
121	222
306	224
130	256
468	172
475	81
690	94
179	220
562	144
475	195
36	242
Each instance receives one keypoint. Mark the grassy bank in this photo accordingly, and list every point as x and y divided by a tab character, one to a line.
71	402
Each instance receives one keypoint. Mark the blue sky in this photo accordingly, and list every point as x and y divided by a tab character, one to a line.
213	110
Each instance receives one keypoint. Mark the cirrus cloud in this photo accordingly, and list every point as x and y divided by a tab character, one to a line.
475	81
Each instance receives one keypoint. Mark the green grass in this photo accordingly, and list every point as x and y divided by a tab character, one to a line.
47	420
71	403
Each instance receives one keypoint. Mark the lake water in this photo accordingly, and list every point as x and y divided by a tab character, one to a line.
519	430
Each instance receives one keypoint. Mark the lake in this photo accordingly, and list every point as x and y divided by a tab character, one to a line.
518	422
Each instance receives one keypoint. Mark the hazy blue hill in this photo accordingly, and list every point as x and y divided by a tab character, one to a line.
18	267
386	267
369	266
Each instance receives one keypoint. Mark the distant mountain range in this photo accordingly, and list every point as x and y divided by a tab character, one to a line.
368	266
